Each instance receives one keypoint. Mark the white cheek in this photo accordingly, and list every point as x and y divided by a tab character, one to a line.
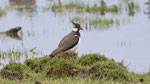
74	29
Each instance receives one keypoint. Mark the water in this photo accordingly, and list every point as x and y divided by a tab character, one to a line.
43	29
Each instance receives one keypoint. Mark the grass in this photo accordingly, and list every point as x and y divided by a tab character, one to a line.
81	7
30	33
15	71
16	55
11	53
147	3
89	68
132	7
96	22
2	12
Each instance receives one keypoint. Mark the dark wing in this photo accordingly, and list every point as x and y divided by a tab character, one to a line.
68	42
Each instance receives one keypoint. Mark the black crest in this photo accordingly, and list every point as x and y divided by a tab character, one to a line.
76	25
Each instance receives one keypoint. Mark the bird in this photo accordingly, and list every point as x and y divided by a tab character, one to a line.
70	42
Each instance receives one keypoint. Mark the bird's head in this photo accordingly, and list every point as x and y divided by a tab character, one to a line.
76	26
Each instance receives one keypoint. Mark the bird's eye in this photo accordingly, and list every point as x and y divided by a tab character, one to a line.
78	26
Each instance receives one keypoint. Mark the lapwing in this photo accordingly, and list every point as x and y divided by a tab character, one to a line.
70	42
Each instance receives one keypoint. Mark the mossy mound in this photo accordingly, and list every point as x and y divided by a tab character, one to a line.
89	65
109	70
94	65
64	55
38	64
90	59
60	68
15	71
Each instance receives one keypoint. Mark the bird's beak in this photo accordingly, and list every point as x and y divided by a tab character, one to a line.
81	28
72	22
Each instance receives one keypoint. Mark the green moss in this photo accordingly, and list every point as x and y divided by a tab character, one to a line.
89	67
15	71
90	59
59	68
64	55
109	70
14	67
37	64
34	65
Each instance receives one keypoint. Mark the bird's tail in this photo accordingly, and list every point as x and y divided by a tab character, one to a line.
51	55
56	51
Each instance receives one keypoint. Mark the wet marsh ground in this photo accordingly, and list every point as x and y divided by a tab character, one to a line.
117	29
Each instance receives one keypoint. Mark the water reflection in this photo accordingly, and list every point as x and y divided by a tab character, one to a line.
103	4
12	33
2	12
24	6
14	36
131	8
97	23
16	56
148	8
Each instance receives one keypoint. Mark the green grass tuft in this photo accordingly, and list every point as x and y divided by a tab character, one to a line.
90	59
14	67
81	7
2	12
98	23
15	71
109	70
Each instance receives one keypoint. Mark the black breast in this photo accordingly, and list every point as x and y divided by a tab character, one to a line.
77	33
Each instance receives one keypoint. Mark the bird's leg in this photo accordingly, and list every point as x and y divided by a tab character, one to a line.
68	56
59	1
72	57
65	58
